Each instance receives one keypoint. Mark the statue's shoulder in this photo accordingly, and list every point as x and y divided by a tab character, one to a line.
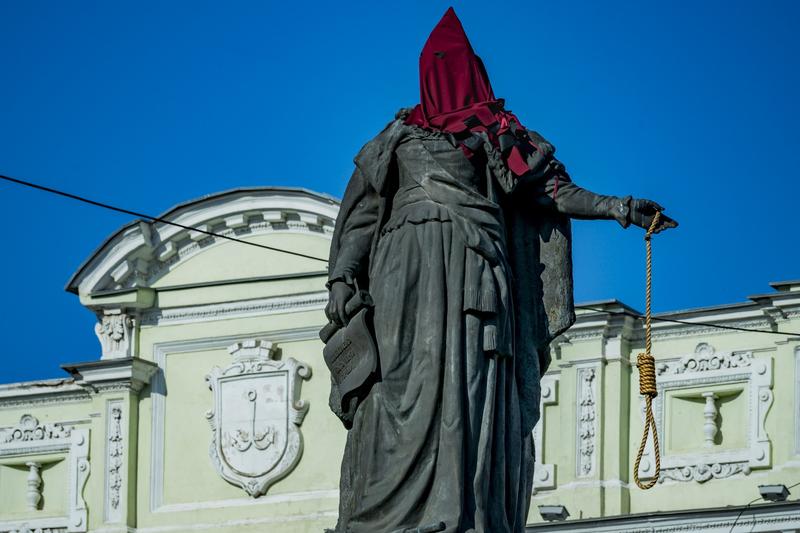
374	157
390	135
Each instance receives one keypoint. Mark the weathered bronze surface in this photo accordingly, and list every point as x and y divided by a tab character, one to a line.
469	268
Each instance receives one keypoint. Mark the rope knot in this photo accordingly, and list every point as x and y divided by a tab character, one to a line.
646	364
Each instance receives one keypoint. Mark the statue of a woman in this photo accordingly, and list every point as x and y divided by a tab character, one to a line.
456	221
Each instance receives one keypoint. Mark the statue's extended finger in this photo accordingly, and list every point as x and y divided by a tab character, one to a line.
669	221
666	223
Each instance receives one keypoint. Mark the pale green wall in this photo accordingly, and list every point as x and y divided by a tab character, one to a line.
612	490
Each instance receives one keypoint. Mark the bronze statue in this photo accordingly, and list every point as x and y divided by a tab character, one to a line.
454	233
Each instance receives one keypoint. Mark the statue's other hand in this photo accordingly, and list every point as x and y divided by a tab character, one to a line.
642	213
338	297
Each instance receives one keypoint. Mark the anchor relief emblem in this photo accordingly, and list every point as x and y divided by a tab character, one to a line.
242	439
257	414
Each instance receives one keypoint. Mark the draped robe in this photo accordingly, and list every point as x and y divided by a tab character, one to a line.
469	267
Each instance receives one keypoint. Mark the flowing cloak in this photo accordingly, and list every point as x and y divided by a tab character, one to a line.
538	241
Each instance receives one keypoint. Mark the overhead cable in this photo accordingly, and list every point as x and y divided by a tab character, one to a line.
104	205
152	218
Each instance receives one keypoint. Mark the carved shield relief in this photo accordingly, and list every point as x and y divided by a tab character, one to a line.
256	418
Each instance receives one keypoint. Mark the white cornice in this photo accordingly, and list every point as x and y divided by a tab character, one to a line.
764	314
140	253
128	373
238	309
43	392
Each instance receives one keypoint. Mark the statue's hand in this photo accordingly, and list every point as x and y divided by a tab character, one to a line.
642	212
338	297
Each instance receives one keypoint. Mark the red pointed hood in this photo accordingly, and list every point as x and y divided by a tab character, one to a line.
451	75
456	95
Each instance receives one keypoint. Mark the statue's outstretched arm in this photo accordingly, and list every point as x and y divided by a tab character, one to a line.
577	202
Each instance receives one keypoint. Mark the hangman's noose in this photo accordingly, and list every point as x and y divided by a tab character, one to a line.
645	362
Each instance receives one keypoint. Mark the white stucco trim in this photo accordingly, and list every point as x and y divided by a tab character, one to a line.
588	422
544	474
797	400
332	515
707	368
114	487
31	393
29	439
572	485
140	253
295	303
288	497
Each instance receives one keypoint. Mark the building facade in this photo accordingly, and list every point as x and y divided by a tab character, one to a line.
206	408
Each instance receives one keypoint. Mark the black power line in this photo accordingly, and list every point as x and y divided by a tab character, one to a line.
152	218
298	254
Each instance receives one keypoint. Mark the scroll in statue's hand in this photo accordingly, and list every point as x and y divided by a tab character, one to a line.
642	212
340	294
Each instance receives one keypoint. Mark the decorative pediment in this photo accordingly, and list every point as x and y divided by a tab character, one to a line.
140	253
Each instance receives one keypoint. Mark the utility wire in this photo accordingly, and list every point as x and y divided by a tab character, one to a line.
152	218
306	256
686	322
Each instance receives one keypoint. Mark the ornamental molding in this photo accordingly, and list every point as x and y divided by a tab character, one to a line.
30	437
25	528
161	354
585	335
257	414
797	400
26	401
115	452
683	330
693	375
112	375
703	472
114	330
705	359
38	393
185	246
141	253
587	418
544	475
610	327
30	430
240	309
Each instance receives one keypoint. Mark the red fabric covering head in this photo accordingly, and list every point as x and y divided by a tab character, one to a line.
456	96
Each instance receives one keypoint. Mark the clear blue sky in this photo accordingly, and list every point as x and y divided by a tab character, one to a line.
693	104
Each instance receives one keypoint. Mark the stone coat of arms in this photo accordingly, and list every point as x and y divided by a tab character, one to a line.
256	418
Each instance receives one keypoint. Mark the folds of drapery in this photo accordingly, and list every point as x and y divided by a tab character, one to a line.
538	242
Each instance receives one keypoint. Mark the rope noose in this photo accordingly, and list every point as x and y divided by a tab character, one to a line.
645	362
